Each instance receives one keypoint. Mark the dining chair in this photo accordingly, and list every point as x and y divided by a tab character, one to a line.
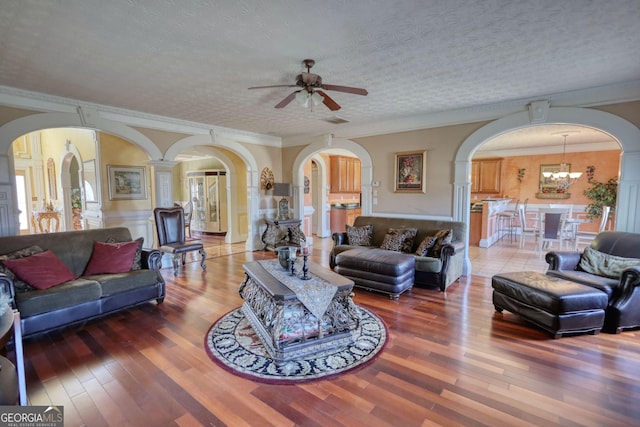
551	225
586	237
506	222
171	237
526	230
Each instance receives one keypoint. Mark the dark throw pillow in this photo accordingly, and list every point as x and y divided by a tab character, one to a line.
137	259
42	270
426	244
109	258
399	239
360	236
392	242
18	285
443	237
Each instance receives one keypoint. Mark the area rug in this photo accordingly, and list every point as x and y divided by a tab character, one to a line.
232	343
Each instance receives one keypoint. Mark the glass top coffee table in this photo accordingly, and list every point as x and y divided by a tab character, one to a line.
286	326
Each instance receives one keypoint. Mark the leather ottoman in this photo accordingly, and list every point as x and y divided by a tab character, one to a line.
556	305
377	270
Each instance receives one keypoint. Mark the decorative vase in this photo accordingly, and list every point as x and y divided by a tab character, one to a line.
283	256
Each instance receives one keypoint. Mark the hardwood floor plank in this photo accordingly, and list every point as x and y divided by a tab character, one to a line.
450	360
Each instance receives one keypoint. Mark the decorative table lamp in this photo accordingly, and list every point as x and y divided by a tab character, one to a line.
283	190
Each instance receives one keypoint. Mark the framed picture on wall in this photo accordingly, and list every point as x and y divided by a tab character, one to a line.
410	171
127	182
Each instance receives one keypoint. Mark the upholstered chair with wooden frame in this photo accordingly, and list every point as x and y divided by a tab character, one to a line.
170	228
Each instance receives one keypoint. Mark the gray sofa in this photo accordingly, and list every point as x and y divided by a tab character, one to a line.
622	287
440	272
85	297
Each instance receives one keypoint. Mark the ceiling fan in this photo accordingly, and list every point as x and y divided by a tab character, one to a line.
310	92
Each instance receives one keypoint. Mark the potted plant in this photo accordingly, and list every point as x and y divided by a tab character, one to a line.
601	194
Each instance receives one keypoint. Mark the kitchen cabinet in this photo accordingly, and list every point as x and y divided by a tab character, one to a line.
486	176
341	217
208	192
345	174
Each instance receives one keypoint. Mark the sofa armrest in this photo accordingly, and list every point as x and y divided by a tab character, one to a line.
629	281
6	286
151	259
563	260
339	239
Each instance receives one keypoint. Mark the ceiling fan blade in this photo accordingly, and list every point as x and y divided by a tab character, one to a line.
328	101
348	89
287	100
267	87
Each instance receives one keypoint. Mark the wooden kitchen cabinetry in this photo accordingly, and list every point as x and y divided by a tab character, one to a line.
345	174
486	176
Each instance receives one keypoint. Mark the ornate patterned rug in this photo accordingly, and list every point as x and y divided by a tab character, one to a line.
232	343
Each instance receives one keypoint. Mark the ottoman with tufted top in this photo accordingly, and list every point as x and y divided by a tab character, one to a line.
377	269
556	305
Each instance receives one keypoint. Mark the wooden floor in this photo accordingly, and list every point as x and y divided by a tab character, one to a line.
449	361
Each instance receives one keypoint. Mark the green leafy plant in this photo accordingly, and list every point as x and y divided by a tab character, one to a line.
601	194
76	200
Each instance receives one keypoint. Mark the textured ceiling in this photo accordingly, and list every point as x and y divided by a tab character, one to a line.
194	59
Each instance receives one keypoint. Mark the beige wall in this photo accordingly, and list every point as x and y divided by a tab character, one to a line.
441	145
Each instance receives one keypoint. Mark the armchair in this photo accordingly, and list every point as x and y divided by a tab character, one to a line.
170	228
623	310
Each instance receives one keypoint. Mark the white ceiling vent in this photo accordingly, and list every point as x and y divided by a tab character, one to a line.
336	120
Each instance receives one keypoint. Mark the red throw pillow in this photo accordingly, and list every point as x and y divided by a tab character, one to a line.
108	258
42	270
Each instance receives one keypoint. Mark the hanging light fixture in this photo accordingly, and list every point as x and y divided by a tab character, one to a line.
306	99
563	178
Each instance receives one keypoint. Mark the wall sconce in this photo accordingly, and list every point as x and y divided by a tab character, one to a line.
591	170
521	174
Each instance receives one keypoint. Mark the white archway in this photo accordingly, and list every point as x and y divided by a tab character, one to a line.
84	118
253	241
628	209
317	145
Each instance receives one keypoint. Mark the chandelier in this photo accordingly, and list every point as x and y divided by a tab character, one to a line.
563	178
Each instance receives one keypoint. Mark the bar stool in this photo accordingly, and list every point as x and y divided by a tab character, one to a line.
506	223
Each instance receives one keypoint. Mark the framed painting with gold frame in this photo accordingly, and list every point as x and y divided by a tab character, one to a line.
410	171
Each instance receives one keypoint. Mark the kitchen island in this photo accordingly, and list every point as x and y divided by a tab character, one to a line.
484	226
343	215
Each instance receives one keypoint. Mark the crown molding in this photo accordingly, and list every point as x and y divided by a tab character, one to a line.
41	102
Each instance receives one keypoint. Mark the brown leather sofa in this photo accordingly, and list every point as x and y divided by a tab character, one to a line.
623	309
439	272
86	297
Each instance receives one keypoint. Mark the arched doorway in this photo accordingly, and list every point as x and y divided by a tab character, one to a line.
628	218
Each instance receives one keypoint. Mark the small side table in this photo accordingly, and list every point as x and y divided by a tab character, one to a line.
12	381
277	230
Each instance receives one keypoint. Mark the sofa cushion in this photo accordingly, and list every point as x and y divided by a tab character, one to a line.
602	264
443	237
18	285
410	235
137	259
360	236
112	284
426	244
42	270
111	257
65	295
399	239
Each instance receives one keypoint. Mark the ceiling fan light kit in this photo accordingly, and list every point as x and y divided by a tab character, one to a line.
310	93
